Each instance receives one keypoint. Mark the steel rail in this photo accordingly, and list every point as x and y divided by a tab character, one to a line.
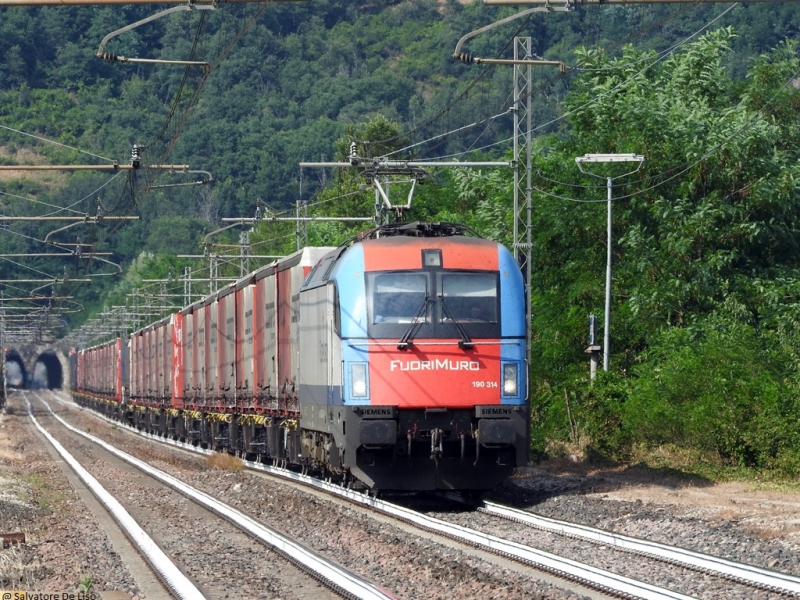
338	577
177	582
585	574
766	578
569	4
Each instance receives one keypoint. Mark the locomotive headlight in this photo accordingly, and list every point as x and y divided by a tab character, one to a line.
358	380
509	380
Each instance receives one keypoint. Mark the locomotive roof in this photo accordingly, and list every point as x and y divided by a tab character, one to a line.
456	252
397	246
421	229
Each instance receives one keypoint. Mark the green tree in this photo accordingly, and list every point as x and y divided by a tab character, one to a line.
714	206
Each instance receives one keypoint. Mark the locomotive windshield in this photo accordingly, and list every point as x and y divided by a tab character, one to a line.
469	297
398	297
439	302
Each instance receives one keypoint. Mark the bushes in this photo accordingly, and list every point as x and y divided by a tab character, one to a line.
714	389
706	279
711	390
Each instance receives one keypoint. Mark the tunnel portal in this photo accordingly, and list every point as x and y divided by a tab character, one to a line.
16	375
48	372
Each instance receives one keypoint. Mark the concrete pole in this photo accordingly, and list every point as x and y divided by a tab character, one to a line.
607	323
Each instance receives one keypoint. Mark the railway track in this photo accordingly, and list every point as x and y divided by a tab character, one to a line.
661	571
216	529
695	574
713	582
749	575
175	582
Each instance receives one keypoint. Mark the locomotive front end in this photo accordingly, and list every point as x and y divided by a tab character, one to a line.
430	334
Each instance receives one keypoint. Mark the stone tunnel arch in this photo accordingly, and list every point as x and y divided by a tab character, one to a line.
54	372
16	373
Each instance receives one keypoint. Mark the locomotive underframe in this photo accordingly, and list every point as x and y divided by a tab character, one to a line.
383	447
430	449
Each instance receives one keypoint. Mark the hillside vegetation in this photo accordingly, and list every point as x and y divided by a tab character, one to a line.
706	287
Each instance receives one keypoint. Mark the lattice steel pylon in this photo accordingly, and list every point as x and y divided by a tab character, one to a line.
523	168
301	228
213	272
244	252
187	286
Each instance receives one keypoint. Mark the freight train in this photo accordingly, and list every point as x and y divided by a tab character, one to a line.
396	361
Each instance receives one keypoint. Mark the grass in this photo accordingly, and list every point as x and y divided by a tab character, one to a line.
675	464
43	495
86	583
224	462
710	466
18	569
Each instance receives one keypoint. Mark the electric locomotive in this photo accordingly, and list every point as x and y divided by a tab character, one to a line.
414	360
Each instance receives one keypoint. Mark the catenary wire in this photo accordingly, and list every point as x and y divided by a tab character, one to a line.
634	35
600	96
42	139
69	208
13	262
687	166
484	72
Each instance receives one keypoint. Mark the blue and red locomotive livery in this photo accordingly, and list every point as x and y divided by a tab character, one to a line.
397	360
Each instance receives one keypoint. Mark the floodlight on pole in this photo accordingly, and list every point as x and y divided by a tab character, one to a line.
608	158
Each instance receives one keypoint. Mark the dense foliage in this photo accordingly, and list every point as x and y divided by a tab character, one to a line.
706	293
706	271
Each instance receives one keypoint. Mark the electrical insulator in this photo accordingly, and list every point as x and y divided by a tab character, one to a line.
136	159
353	154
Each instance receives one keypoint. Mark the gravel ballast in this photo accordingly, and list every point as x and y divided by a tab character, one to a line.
755	527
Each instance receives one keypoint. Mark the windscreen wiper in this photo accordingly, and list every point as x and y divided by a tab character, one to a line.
405	341
465	343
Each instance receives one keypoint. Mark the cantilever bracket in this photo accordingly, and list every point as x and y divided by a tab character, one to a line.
468	58
209	178
114	57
